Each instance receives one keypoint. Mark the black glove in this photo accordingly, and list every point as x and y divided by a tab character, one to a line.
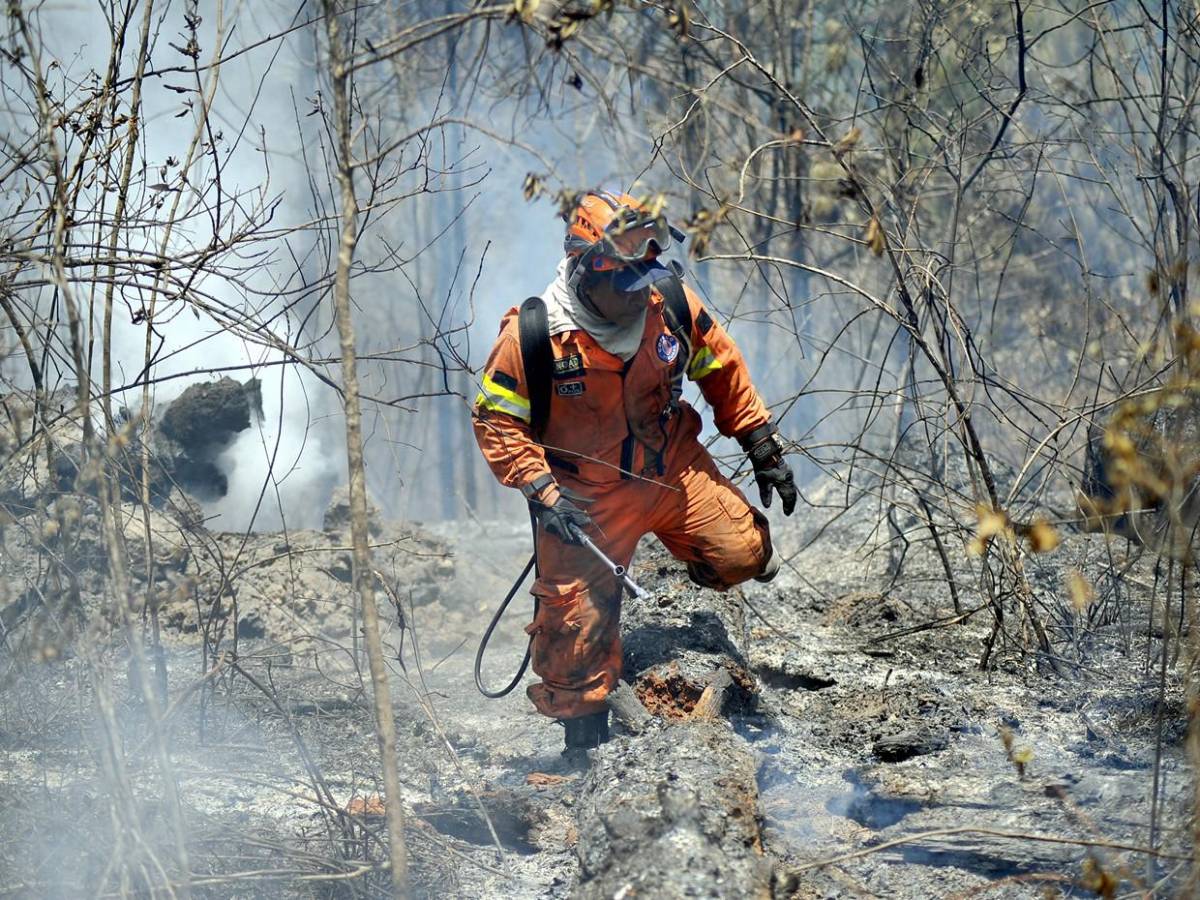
559	517
770	470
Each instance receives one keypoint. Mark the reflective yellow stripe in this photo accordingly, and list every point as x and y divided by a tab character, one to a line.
703	363
499	404
495	389
494	396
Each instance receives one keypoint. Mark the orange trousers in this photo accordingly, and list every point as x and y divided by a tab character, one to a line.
700	517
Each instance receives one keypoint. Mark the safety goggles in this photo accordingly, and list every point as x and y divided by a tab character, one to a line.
631	238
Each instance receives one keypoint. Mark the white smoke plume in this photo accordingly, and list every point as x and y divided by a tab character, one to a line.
282	469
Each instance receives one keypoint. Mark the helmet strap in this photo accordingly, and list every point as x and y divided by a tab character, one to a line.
581	293
579	272
575	275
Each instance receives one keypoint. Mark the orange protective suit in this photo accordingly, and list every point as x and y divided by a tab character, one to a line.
622	450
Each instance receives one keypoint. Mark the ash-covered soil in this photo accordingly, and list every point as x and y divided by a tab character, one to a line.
855	749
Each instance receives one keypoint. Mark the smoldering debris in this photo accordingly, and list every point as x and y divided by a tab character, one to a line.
289	589
182	447
198	426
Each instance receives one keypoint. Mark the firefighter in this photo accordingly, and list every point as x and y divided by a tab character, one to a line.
618	454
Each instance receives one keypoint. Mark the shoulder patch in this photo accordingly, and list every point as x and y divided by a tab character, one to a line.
504	380
570	388
567	366
704	321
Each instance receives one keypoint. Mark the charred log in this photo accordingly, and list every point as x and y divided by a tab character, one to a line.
197	427
672	809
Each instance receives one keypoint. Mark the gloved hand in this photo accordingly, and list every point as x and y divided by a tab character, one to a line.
557	517
770	470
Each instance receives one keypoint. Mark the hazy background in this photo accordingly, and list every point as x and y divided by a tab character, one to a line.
483	248
1046	256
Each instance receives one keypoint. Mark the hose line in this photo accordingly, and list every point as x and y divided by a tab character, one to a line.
487	636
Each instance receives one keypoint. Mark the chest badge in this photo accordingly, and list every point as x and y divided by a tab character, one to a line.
567	366
667	347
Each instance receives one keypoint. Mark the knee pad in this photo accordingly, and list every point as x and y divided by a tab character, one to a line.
770	569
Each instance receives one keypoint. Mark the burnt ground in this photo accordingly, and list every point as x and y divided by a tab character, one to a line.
848	758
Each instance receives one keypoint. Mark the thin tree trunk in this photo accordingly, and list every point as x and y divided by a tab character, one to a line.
363	579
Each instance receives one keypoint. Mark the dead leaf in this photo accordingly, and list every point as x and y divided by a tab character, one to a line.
1098	880
875	237
1081	592
544	779
1153	282
992	522
1042	536
524	9
1021	757
679	20
848	141
532	186
1006	738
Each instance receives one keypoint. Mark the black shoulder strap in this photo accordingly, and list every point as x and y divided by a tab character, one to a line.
678	316
675	306
538	360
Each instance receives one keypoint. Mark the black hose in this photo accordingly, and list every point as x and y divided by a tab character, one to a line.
487	636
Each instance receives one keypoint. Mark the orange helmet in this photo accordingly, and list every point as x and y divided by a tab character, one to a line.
609	232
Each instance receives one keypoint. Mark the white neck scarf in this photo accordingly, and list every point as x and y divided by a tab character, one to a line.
566	312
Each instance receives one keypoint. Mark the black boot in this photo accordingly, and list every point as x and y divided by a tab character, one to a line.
583	734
